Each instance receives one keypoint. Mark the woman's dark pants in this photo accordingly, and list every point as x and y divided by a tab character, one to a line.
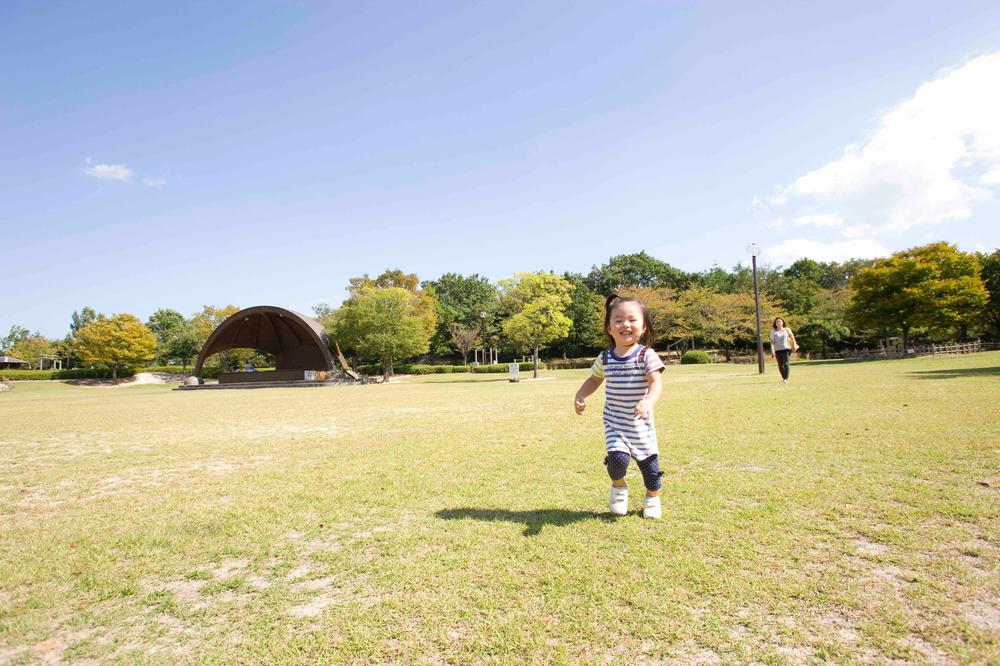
782	357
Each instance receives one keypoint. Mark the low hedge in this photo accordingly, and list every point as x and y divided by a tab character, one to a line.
570	363
375	369
207	372
77	373
103	373
695	356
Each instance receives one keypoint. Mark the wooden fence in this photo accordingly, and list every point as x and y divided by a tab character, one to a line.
949	349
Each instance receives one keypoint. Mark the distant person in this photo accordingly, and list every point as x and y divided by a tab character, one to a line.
632	371
782	345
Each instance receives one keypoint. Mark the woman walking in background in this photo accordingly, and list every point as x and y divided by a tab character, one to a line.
782	345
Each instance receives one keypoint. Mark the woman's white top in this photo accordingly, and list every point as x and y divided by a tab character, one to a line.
779	340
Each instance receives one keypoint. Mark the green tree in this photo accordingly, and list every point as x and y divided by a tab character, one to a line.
725	320
459	300
166	324
119	342
81	319
586	311
664	309
16	334
793	294
934	286
826	324
387	323
31	347
184	344
535	305
990	274
635	270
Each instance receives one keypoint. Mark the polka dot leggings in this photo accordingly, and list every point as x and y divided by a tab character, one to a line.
617	462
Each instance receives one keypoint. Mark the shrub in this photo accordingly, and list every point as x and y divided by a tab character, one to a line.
502	367
570	363
695	356
375	369
27	375
418	369
77	373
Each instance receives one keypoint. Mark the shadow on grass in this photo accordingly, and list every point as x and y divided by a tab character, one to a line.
533	521
955	373
465	381
833	361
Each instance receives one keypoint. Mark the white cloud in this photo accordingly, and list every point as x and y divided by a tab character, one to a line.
922	164
823	220
118	172
787	252
157	183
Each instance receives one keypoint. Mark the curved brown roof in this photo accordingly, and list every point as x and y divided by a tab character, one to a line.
295	340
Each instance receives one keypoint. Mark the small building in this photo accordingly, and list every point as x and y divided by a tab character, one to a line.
11	363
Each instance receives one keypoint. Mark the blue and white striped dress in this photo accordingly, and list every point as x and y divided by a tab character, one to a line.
626	385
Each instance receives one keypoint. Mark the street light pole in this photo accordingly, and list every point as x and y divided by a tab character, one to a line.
754	250
482	317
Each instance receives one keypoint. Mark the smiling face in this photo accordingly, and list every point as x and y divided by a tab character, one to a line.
626	324
779	323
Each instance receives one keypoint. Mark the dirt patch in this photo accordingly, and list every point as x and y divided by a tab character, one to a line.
984	615
866	547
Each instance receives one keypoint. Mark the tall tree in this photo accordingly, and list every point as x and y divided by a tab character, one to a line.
826	324
81	319
664	308
459	300
935	286
30	348
184	344
586	311
535	305
635	270
165	324
387	323
16	334
990	274
119	342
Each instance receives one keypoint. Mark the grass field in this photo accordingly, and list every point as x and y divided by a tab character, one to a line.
852	516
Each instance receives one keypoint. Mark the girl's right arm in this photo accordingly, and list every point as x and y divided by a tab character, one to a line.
589	386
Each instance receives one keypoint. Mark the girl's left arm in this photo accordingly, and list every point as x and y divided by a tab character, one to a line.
644	408
795	345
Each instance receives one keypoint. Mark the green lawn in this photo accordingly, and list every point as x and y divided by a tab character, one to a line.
850	516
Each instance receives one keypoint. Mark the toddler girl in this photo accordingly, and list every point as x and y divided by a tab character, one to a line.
632	371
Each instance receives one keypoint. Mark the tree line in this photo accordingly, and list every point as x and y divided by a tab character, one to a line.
930	293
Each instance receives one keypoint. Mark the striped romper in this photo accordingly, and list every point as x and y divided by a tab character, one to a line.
625	381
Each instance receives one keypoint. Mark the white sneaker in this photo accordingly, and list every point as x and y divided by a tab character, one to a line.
651	508
619	501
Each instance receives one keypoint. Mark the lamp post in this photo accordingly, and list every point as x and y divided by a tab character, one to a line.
753	249
482	315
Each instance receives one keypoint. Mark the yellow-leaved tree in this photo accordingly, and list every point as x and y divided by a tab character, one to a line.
535	305
119	342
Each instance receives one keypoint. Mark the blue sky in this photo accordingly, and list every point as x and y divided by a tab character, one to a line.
181	154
